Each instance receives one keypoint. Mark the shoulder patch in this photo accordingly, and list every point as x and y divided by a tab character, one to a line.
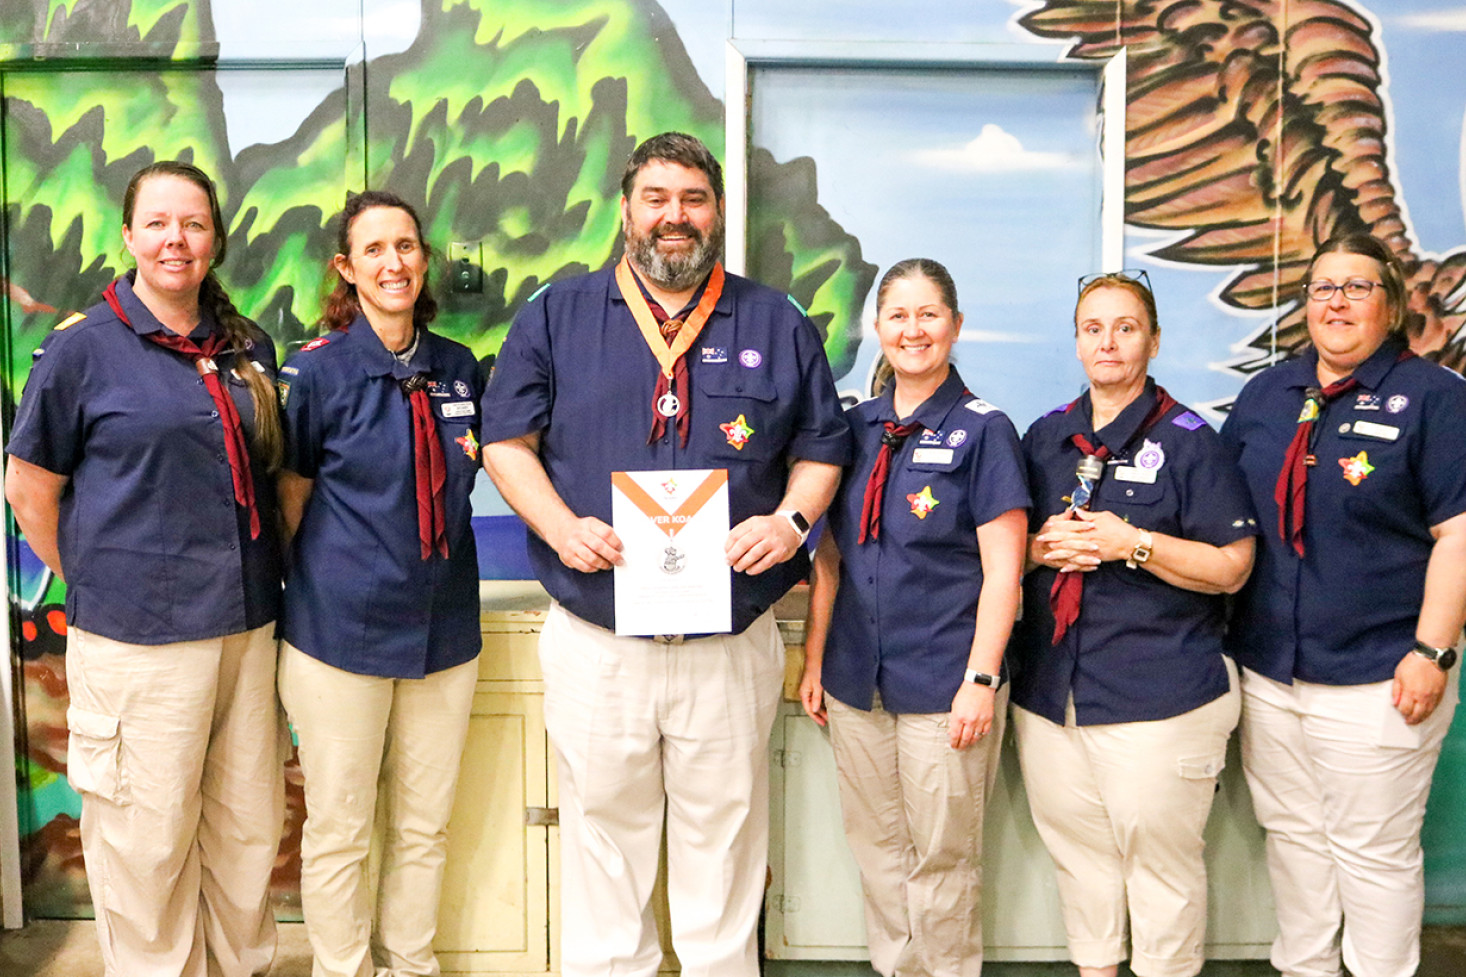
1057	410
795	302
539	291
315	344
1188	420
290	370
979	406
70	321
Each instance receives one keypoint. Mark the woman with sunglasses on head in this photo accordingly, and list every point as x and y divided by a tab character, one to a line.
140	473
1355	457
1122	699
381	620
931	511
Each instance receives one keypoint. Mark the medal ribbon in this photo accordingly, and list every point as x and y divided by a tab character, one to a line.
875	485
1067	594
663	520
202	358
432	471
669	357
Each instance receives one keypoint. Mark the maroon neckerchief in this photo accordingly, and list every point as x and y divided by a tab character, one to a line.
1067	593
431	470
875	485
202	357
1291	491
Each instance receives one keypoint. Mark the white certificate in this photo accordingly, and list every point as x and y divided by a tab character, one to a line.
672	526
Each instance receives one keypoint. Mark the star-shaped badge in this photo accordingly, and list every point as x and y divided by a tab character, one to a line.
1356	469
737	431
469	444
923	503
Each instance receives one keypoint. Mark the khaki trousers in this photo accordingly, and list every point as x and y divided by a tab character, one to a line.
1340	782
1121	808
370	748
640	727
177	752
913	811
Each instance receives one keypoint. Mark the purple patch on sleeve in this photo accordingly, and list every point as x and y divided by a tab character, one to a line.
1189	421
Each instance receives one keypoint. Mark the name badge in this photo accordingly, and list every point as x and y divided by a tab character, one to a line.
1130	473
931	456
1385	432
458	408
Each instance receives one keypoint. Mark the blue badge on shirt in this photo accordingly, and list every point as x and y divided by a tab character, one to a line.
930	439
438	388
715	354
1189	421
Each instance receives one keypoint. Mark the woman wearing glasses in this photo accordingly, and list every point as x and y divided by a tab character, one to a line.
1123	701
933	505
1355	460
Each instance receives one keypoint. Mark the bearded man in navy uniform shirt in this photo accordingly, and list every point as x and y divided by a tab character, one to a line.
732	376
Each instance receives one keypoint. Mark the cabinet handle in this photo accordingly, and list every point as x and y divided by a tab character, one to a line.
541	817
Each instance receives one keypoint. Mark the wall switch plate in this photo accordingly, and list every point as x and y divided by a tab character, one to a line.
466	267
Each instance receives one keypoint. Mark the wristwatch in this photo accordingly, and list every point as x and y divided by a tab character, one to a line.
1444	658
797	520
1141	553
993	682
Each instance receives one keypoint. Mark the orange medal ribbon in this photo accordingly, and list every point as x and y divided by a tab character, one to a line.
669	358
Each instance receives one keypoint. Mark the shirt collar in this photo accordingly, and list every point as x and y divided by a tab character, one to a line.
932	413
144	322
377	360
1117	434
1303	370
723	307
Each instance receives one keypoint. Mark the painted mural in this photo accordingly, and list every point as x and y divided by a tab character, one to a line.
1254	129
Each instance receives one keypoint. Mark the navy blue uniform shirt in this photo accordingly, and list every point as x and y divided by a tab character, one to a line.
358	595
576	369
153	545
1142	649
1391	464
906	609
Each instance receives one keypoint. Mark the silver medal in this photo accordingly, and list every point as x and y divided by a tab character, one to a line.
668	405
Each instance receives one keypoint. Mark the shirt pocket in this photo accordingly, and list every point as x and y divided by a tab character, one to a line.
94	755
744	412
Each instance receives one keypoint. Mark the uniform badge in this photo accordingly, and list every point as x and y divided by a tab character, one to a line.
469	444
956	438
751	358
1397	403
1188	420
715	354
290	370
437	388
460	388
1366	402
1151	456
1309	411
738	432
979	406
922	503
70	321
1356	469
930	439
315	344
283	386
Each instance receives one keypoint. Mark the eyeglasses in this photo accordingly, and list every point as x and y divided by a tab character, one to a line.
1135	276
1355	289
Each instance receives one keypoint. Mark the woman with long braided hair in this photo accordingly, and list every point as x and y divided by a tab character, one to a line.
141	473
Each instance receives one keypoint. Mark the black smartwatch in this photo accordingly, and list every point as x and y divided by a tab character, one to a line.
797	520
1444	658
993	682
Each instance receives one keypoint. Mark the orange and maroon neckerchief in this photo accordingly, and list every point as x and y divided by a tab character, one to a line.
202	358
672	380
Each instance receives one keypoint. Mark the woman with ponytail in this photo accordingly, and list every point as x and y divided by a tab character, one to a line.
140	472
381	632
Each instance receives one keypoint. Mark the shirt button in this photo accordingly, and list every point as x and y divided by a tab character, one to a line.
1129	492
218	457
234	546
213	413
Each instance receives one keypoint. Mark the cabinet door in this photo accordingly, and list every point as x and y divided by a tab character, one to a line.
494	915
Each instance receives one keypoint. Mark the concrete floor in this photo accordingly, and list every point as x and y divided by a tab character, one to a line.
63	948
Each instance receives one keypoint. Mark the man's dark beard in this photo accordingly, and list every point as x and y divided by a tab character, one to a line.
679	271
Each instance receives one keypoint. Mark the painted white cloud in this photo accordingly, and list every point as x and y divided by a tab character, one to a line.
995	150
1436	20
